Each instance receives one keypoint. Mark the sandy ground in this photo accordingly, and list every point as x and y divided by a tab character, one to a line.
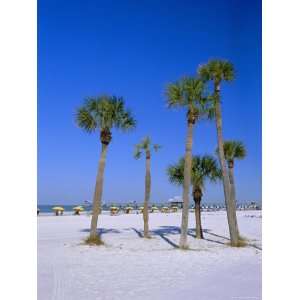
129	267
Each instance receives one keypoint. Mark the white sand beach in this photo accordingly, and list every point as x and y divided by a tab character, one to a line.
130	267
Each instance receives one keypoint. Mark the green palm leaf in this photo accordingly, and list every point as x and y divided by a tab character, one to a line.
145	146
104	113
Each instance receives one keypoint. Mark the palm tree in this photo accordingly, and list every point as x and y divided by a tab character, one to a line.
233	150
188	93
146	146
103	113
203	168
217	71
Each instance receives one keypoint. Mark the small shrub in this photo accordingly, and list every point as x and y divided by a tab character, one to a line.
94	241
242	242
242	238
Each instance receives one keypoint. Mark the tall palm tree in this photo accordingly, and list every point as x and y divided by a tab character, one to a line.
233	150
188	93
146	146
103	113
203	168
217	71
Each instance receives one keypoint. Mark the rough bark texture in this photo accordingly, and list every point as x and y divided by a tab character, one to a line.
229	201
231	180
186	187
199	230
232	188
147	196
98	191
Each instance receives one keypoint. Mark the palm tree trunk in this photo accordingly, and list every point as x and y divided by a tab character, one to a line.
147	196
230	205
231	180
232	189
199	231
98	191
186	187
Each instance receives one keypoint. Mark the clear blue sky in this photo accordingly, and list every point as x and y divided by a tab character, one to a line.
133	49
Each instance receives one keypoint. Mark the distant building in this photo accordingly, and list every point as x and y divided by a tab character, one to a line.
176	201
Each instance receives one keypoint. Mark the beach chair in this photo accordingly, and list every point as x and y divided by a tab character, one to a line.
174	209
128	209
165	209
114	210
154	209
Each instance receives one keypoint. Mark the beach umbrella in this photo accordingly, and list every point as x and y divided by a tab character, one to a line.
78	209
154	208
128	209
58	209
165	209
113	210
174	208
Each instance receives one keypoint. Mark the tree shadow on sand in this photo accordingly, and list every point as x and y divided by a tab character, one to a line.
175	230
207	231
191	232
161	233
101	231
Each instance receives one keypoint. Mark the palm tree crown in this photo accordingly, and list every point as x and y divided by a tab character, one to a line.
216	71
203	167
189	92
104	113
234	150
145	146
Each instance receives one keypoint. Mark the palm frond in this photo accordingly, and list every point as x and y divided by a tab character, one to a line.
192	94
234	150
175	173
203	168
216	70
145	146
105	112
137	153
85	120
174	93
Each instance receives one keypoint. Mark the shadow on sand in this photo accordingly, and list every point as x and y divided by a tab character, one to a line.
162	231
167	230
101	231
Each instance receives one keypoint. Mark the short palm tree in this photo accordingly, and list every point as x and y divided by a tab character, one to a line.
233	150
203	168
146	146
217	71
188	93
103	114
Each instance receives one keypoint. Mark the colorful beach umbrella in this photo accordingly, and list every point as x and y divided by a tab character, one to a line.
80	208
58	208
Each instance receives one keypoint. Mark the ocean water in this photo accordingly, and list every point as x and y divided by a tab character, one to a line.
47	209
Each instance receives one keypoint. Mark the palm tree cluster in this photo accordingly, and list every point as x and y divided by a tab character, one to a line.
200	96
203	168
